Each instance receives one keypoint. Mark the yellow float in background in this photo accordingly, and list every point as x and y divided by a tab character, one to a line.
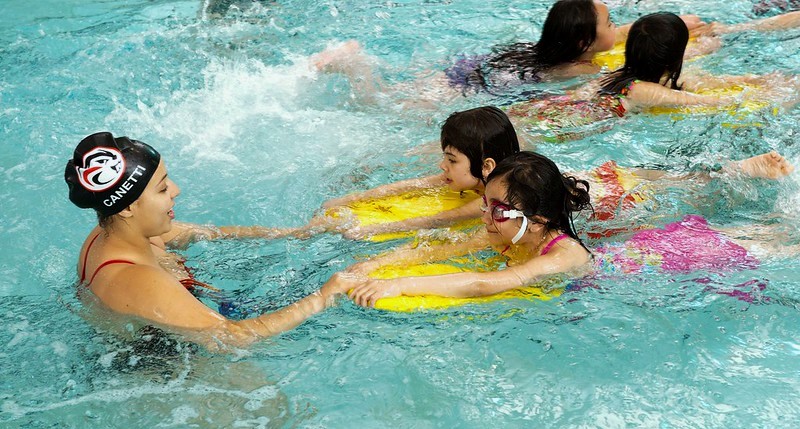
615	59
739	110
418	203
611	59
456	265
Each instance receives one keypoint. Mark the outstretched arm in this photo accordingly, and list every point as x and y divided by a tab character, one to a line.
154	295
182	233
692	22
471	210
461	285
385	190
643	95
775	23
414	253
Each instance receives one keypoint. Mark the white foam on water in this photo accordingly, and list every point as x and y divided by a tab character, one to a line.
244	112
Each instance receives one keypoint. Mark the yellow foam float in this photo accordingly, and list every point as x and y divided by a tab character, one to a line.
543	291
418	203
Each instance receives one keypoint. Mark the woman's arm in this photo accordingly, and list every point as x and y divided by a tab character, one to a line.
182	233
471	210
154	295
562	258
390	189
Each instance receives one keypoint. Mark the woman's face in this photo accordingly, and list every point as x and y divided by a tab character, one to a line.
455	166
153	211
501	230
606	30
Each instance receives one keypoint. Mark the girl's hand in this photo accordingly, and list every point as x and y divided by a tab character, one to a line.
692	21
367	294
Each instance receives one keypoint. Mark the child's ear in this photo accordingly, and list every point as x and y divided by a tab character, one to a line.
488	166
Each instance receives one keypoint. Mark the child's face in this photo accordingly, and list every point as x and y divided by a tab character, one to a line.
501	229
455	166
606	30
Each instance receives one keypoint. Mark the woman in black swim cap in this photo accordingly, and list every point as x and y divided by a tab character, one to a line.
124	261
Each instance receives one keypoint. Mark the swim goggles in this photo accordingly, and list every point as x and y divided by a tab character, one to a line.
502	212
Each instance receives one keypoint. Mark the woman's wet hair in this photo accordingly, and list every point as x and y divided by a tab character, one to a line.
536	186
480	133
654	49
569	30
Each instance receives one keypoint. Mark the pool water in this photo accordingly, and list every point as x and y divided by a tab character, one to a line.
254	137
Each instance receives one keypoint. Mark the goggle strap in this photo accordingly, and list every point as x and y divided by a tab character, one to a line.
512	214
522	229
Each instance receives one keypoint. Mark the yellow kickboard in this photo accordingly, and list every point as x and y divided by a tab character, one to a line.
424	202
459	265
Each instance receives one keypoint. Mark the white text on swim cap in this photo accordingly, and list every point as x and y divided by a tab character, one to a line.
125	186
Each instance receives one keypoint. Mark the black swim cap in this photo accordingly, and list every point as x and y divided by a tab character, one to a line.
108	174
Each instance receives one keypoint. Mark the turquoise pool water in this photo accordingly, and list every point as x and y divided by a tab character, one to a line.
254	137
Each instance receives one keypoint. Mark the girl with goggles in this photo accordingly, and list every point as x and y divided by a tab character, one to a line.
527	204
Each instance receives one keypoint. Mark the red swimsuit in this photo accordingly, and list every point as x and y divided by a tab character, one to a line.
189	283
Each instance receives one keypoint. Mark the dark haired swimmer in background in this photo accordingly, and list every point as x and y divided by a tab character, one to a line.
124	261
573	33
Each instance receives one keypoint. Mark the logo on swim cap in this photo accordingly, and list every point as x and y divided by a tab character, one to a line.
102	169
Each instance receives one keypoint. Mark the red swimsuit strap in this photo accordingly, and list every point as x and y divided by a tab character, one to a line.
109	262
187	283
191	282
86	255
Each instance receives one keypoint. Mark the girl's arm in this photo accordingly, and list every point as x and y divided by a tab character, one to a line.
562	258
696	80
780	22
390	189
471	210
414	253
648	94
692	22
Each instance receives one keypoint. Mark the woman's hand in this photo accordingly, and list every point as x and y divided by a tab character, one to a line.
362	268
367	294
340	283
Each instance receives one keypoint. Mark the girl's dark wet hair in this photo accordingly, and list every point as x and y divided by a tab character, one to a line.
655	47
569	30
536	186
480	133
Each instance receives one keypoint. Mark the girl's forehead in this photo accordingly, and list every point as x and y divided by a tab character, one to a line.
450	150
495	189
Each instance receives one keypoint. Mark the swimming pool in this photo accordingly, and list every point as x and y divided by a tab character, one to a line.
253	137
